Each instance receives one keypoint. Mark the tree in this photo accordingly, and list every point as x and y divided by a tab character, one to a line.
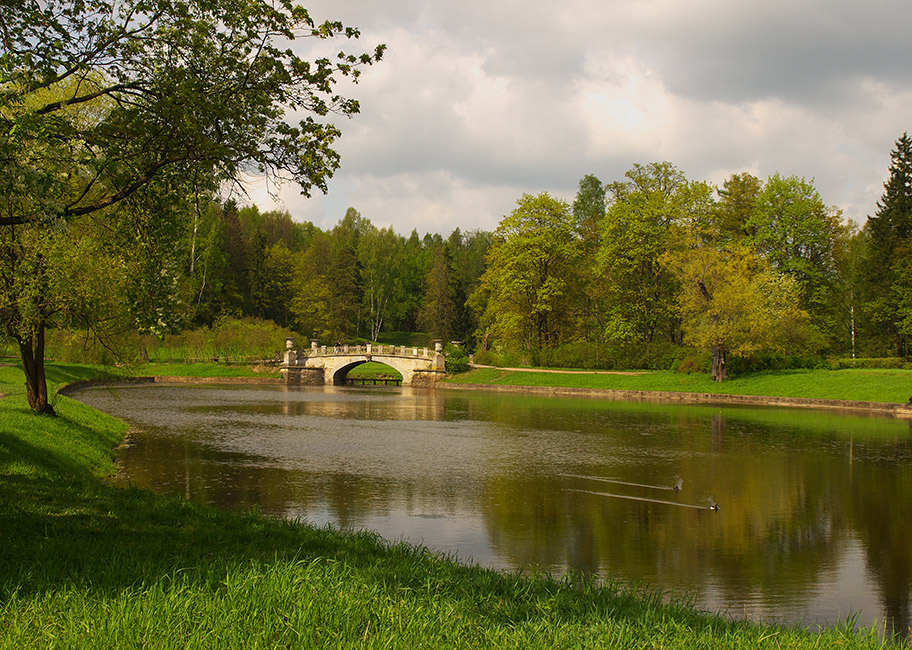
312	302
637	292
902	291
97	99
524	294
381	254
731	300
888	233
469	251
848	256
792	228
589	208
737	202
439	313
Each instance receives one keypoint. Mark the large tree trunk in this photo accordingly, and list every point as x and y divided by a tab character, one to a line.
718	363
31	350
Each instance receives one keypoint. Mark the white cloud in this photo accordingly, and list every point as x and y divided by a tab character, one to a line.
478	102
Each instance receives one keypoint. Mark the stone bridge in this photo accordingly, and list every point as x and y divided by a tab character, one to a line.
330	364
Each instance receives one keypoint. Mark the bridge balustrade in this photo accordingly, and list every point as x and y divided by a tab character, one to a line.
357	350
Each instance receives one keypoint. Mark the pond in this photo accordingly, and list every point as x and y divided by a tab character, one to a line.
780	515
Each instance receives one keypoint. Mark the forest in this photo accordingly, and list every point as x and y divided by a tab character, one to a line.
650	271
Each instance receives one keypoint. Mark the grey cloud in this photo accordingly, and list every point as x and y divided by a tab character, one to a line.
829	76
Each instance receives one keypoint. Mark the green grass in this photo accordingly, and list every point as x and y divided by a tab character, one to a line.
202	370
84	564
374	370
849	384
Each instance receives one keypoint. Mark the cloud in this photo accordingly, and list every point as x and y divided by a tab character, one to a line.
478	102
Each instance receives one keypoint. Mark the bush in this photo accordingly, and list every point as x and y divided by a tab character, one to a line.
695	364
594	356
497	357
408	339
81	346
882	362
739	365
235	338
456	358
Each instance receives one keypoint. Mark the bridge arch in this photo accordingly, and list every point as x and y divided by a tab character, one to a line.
338	367
331	364
340	374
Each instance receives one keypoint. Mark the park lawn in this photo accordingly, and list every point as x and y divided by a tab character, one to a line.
202	370
89	565
60	374
374	370
892	386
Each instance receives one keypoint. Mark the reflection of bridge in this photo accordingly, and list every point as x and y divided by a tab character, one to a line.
330	364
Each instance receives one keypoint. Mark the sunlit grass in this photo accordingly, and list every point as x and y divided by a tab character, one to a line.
849	384
374	370
203	370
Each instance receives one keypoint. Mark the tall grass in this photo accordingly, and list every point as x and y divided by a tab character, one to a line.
243	340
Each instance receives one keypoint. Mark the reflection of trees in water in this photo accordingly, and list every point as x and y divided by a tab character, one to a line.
718	432
880	512
774	534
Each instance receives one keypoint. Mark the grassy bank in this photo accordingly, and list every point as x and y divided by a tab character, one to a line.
894	386
84	564
201	370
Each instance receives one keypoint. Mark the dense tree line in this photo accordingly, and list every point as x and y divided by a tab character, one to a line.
353	281
651	270
637	271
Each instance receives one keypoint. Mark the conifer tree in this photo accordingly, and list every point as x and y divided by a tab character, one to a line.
889	232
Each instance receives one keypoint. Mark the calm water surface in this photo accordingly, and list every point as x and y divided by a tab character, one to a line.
815	509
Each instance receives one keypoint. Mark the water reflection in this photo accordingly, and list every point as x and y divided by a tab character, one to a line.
815	518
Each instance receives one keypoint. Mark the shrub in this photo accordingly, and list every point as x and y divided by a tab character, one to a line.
457	360
240	338
739	365
498	357
694	364
882	362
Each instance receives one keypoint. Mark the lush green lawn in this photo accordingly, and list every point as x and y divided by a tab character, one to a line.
84	564
848	384
373	369
202	370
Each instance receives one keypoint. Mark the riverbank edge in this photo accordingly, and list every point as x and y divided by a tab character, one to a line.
899	411
81	384
896	410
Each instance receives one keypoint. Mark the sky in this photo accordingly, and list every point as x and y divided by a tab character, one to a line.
478	102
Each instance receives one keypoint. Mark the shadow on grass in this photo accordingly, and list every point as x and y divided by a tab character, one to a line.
87	535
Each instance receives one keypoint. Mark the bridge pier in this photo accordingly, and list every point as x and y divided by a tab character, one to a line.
301	376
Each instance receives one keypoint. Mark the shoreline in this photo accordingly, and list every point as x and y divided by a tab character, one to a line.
887	409
896	410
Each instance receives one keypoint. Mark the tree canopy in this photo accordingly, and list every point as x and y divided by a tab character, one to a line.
98	99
